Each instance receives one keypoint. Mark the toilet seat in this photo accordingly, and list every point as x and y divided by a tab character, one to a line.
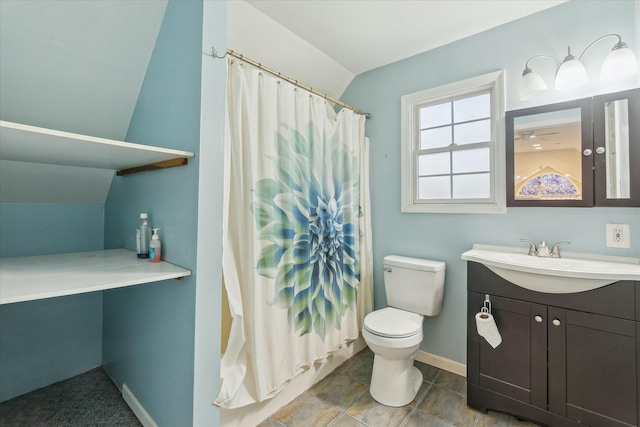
393	323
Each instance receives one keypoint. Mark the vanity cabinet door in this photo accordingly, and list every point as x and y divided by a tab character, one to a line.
518	366
593	376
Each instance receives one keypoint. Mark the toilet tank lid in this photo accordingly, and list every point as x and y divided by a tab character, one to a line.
414	263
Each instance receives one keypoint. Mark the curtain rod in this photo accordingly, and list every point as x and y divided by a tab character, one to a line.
288	79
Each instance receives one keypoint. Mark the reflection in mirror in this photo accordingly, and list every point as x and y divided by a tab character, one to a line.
617	149
547	156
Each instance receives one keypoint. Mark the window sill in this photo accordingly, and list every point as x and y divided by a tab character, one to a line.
468	208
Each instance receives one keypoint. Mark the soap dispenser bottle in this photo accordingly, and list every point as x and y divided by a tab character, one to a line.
155	246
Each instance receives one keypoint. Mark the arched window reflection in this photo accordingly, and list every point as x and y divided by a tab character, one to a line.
549	186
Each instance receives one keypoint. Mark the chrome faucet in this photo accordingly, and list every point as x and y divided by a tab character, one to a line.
543	250
533	251
555	251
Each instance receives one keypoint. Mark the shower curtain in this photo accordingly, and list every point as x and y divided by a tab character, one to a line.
296	250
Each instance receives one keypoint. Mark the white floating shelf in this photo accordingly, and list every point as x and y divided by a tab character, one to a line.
33	144
47	276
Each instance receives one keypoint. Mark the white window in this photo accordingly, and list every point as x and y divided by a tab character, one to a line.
453	157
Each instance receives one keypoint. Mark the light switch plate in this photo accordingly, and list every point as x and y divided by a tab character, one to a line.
618	236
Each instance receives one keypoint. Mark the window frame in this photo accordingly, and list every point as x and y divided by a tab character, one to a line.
493	83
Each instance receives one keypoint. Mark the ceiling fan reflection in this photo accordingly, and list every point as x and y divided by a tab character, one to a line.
527	135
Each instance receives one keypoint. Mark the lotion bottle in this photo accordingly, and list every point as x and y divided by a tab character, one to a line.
155	246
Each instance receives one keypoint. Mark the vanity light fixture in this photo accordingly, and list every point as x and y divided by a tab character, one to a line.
619	64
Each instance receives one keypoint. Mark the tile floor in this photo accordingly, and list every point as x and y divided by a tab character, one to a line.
342	399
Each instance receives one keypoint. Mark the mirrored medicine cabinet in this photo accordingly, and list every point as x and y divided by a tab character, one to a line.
578	153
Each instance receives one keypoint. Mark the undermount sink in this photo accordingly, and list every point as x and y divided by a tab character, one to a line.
574	272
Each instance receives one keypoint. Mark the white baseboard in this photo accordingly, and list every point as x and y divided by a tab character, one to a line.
137	407
442	363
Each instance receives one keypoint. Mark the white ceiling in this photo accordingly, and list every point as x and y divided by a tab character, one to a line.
325	43
363	35
78	66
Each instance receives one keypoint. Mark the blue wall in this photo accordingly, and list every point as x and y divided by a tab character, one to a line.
209	258
446	236
148	334
45	341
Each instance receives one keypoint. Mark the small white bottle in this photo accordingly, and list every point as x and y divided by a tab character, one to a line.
155	246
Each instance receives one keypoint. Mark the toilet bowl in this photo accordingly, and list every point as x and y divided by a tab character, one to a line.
414	288
394	336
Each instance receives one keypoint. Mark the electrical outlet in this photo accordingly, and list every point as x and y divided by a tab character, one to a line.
618	236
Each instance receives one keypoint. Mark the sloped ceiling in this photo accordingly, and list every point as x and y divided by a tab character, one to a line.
325	44
363	35
75	66
78	66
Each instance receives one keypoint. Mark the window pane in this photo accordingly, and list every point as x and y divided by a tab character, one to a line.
435	115
469	133
433	164
435	138
474	160
476	186
437	187
474	108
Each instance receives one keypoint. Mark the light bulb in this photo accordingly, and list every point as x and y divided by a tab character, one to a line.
571	74
531	84
619	64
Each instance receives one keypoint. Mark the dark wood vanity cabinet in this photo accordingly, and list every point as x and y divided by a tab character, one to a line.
564	360
593	368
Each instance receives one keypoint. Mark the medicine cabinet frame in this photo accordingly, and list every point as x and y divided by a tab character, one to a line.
593	149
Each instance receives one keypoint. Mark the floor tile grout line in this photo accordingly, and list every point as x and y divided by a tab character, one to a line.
337	407
356	401
408	417
424	395
276	421
344	414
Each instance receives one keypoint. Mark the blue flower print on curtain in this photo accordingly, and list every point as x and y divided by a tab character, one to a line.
307	219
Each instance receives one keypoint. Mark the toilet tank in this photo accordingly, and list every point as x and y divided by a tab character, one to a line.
414	284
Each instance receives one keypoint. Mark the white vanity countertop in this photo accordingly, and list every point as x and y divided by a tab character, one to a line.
573	272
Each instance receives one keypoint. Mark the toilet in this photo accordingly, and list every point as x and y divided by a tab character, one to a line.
414	289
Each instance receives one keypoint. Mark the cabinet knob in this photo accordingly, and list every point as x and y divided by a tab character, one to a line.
600	150
538	319
556	322
587	152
